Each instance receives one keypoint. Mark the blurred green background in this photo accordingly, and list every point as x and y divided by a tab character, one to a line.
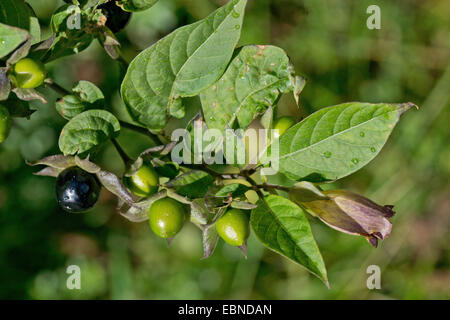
329	43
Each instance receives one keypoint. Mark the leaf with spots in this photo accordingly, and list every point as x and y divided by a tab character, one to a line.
182	64
254	81
337	141
88	130
283	227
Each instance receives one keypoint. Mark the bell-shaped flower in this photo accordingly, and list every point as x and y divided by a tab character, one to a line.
351	213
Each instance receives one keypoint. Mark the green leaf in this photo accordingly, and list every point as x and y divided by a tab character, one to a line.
88	92
68	45
11	38
70	106
70	38
87	130
85	4
253	82
337	141
283	227
58	21
184	63
19	14
243	205
15	13
34	27
88	96
234	190
136	5
193	184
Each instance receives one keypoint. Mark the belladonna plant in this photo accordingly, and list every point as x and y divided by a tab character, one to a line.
197	78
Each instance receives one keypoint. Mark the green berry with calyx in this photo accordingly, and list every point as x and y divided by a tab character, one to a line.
166	217
144	183
233	227
28	73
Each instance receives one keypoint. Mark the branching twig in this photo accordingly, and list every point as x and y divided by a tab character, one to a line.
126	159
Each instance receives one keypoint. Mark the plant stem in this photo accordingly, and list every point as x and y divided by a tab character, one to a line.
140	130
122	61
265	186
58	89
126	159
255	187
133	127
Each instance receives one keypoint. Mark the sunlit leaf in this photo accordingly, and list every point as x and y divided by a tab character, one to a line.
283	227
253	82
88	130
182	64
10	38
337	141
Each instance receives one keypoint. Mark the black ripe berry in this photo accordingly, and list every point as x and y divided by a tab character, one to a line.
77	190
116	18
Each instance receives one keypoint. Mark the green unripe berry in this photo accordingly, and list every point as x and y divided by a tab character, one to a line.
5	123
144	182
166	217
233	227
28	74
283	124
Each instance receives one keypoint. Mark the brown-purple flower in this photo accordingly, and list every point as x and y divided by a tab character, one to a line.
353	214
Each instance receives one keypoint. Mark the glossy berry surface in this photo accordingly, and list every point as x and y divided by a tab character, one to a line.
144	182
5	123
29	73
166	217
77	190
116	18
282	124
233	227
